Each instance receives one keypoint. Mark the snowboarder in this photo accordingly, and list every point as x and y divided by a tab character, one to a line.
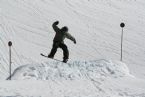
58	41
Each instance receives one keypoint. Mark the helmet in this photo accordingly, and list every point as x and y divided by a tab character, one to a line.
64	29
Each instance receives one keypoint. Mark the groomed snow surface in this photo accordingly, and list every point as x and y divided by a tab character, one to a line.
98	78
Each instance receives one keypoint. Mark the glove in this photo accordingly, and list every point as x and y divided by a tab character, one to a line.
75	42
56	23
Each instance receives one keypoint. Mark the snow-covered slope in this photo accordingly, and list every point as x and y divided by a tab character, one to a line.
77	88
96	26
94	23
98	78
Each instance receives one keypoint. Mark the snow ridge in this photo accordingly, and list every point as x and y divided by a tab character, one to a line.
53	70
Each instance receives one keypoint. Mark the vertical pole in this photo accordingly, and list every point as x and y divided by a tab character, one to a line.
121	44
10	59
122	25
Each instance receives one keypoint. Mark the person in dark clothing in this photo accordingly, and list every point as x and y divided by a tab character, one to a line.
58	41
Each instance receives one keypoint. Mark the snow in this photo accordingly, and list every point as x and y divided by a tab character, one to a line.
97	69
77	88
95	24
98	78
94	69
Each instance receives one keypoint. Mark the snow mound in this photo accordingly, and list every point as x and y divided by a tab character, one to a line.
52	70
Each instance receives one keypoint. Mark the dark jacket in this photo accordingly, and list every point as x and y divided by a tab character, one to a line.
61	35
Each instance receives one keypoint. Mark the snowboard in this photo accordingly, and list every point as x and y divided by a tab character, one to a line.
50	58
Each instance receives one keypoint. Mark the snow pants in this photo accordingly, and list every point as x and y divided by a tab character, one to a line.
61	45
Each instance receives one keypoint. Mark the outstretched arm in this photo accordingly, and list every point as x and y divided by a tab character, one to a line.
54	25
69	36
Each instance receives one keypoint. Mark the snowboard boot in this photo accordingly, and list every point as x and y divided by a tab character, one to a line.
65	60
50	56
